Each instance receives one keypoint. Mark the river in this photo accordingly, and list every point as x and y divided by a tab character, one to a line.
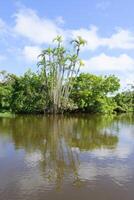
67	157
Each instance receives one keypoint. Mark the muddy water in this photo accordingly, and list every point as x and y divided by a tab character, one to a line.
67	158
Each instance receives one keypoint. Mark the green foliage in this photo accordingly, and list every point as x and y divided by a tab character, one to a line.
90	92
27	94
125	101
5	91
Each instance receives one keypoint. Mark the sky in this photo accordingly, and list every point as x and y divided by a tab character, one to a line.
28	26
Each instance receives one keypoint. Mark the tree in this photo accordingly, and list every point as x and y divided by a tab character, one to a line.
58	67
27	94
92	93
5	91
125	100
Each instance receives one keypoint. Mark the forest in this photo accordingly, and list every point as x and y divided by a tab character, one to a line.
58	86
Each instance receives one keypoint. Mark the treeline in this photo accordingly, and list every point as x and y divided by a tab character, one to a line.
59	87
89	93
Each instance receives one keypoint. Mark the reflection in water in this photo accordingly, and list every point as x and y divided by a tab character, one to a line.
50	152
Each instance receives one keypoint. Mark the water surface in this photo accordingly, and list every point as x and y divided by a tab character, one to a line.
67	158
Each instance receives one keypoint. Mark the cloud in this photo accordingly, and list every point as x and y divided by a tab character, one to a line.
129	79
104	62
41	30
121	39
38	30
122	66
90	35
31	53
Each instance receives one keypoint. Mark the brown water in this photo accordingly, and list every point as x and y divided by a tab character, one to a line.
67	158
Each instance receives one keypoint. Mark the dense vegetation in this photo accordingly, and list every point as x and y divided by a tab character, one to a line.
90	93
59	87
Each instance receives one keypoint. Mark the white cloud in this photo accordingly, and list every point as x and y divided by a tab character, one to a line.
36	29
122	66
130	79
121	39
104	62
41	30
90	35
126	79
31	53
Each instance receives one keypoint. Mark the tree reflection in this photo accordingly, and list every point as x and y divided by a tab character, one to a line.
56	138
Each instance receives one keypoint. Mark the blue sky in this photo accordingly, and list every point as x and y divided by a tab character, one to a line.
28	26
